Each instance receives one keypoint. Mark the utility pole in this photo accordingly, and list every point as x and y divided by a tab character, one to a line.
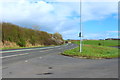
80	34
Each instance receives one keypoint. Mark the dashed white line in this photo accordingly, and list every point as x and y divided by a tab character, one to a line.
14	55
46	50
28	49
26	60
24	50
40	57
24	53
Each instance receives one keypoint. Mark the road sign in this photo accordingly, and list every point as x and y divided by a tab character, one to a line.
80	35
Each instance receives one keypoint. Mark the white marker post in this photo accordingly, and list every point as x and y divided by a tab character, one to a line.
80	34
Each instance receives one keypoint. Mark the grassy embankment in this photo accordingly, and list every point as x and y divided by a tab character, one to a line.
95	49
14	36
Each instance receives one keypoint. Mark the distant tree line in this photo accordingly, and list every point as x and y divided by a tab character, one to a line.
112	39
21	36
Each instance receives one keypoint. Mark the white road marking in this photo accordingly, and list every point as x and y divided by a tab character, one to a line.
14	55
40	57
57	46
46	50
26	60
24	53
24	50
27	49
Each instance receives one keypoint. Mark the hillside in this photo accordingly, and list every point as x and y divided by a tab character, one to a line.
16	36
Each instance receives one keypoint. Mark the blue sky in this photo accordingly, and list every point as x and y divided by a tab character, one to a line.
99	19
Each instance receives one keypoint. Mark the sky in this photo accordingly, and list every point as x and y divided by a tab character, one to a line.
99	17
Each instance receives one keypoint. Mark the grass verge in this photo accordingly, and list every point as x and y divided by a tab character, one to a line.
93	51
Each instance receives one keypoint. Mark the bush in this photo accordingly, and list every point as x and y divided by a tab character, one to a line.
99	44
21	43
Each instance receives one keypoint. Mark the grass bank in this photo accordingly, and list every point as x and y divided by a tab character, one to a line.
94	50
8	48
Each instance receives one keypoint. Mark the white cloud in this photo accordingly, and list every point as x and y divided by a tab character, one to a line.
92	36
102	35
82	0
98	11
54	17
113	31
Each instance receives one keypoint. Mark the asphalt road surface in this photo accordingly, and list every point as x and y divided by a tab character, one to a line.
47	62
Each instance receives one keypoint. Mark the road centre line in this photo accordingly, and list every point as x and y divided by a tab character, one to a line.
22	54
57	46
24	50
27	53
46	50
14	55
29	49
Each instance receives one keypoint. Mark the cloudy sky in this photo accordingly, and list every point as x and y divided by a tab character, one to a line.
99	18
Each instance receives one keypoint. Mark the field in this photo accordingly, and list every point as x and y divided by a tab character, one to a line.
99	42
95	49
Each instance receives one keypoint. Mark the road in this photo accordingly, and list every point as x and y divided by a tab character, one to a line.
47	62
116	47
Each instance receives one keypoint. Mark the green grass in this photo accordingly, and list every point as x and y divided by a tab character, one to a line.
102	42
92	50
